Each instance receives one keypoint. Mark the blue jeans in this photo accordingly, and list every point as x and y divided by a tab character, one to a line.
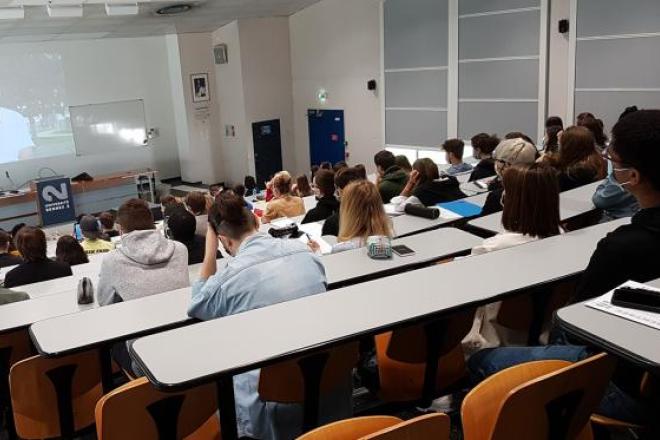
615	403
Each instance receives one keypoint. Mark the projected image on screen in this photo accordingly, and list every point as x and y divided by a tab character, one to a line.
34	118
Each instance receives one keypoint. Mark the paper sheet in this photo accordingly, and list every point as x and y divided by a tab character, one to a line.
315	230
604	303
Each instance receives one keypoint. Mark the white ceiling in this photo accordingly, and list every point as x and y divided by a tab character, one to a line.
206	16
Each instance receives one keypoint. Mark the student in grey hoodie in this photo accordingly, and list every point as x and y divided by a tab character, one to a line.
146	264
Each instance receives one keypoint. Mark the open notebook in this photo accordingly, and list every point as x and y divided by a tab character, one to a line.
604	303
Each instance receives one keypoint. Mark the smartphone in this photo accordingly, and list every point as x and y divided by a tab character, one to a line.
77	232
482	185
637	298
402	251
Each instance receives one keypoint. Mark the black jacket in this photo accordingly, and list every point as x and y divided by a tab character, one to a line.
196	249
575	178
494	200
631	252
35	272
7	260
485	168
331	225
438	191
325	207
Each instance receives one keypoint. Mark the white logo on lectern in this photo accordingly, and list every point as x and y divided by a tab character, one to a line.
50	192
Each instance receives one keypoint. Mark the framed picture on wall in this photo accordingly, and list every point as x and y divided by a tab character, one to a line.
200	87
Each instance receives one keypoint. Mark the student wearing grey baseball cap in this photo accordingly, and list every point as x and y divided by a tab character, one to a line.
508	152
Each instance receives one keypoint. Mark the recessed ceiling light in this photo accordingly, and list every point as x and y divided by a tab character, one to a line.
122	9
174	9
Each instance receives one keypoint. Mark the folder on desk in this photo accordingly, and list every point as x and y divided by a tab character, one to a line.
461	207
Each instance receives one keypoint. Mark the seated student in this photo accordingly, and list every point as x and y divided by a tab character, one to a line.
167	201
519	135
240	190
403	163
302	188
108	224
550	143
554	121
484	144
596	127
342	179
315	169
6	259
69	251
147	263
582	116
31	243
425	184
14	232
630	252
197	204
578	162
611	197
263	271
214	190
454	151
283	204
325	165
93	242
531	212
181	227
362	169
508	152
324	186
250	186
362	216
391	178
339	165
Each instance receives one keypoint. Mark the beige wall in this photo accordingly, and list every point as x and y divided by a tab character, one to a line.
558	61
336	45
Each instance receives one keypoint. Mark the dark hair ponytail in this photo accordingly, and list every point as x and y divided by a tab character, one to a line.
230	217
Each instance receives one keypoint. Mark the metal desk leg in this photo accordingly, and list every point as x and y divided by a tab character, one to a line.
227	407
105	360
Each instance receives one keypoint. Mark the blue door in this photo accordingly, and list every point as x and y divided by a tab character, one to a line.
326	136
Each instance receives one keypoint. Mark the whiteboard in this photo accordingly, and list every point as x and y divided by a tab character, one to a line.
105	128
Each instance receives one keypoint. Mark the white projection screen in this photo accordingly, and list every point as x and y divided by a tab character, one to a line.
34	118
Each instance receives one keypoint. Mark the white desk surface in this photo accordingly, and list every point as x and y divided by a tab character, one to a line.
428	246
209	349
64	333
21	314
61	334
571	204
624	338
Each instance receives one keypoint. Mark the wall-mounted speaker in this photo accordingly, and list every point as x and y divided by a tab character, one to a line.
563	26
372	85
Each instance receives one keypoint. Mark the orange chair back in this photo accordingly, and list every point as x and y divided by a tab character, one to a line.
402	356
283	382
429	426
539	400
54	397
351	429
137	410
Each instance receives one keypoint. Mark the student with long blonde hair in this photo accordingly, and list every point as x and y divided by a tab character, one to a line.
361	215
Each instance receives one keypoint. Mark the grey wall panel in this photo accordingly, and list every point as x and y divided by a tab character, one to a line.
495	36
422	128
415	33
609	105
626	63
612	17
497	117
426	88
515	79
476	6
